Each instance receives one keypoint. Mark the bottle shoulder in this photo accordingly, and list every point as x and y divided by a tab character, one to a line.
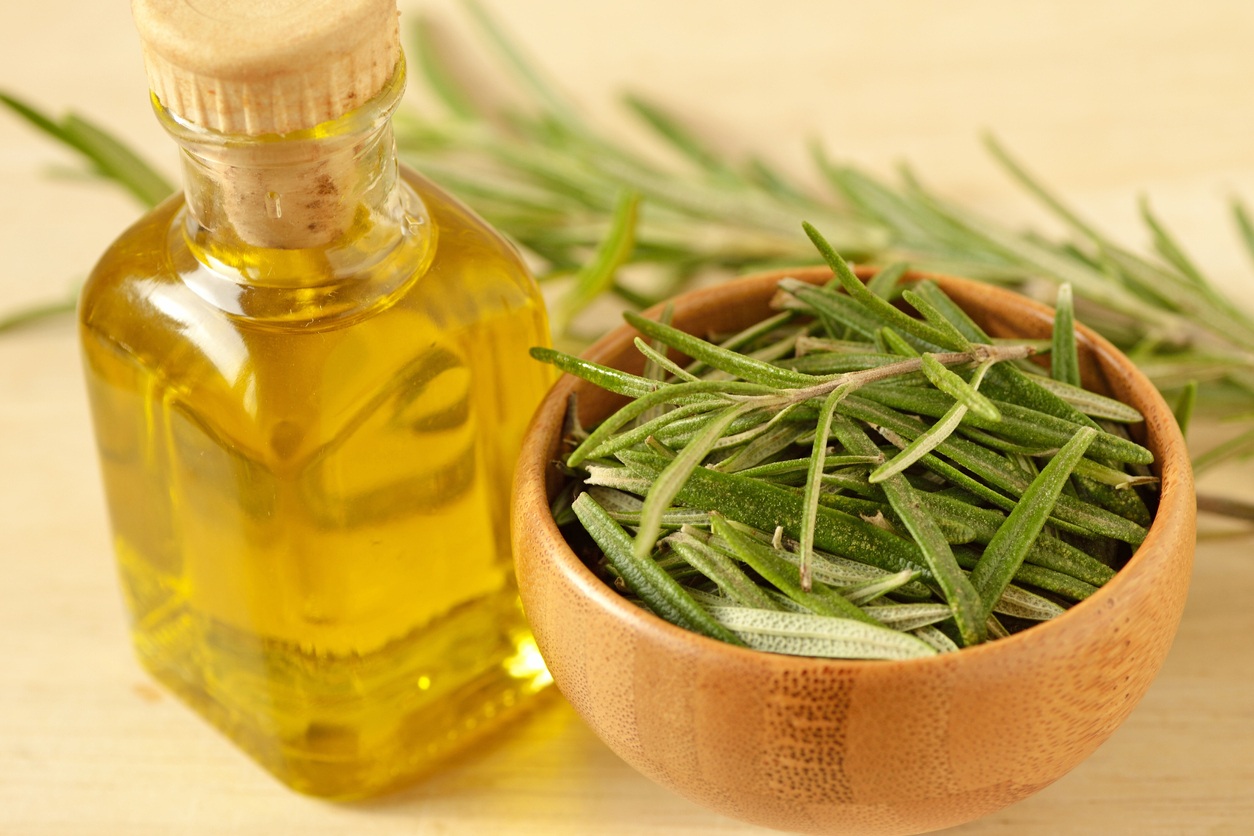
462	270
137	254
473	260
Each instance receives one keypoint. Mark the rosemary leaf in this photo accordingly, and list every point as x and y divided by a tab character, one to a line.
795	465
761	505
1007	549
908	617
797	634
1056	582
1064	362
597	276
1048	552
785	577
962	597
922	445
1023	604
896	344
875	304
936	639
1091	403
828	305
110	158
677	393
672	478
958	389
663	363
1069	513
644	577
813	481
734	583
720	358
745	337
638	434
935	318
866	591
620	382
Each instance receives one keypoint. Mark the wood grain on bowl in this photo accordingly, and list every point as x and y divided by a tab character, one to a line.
848	747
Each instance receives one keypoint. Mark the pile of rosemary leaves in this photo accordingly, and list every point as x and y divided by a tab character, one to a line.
845	480
584	206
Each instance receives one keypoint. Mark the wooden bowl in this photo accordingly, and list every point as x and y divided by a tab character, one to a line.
853	747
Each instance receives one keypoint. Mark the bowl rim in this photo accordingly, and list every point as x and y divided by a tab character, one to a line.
1171	464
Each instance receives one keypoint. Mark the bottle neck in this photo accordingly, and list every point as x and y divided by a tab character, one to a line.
298	209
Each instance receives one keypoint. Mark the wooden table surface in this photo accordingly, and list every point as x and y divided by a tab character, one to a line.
1107	99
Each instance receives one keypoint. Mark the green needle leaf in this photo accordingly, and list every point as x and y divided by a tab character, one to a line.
523	70
615	250
671	480
663	362
1091	403
814	482
880	307
921	446
961	596
747	336
1004	555
36	313
637	435
867	591
796	465
1023	604
935	318
800	634
644	577
1069	513
896	344
836	311
680	138
1237	447
786	577
720	358
623	383
1064	360
1168	248
109	157
1246	229
937	639
908	617
734	583
704	391
958	389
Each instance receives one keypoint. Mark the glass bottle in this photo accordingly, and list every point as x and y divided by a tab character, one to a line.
309	380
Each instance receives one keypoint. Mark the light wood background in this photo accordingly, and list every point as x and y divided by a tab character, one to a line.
1107	98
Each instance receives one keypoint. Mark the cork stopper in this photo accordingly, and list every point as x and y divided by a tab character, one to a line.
261	67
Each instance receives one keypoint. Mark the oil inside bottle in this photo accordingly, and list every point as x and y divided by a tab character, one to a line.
308	482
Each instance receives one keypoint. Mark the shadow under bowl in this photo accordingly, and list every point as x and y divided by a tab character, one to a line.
853	747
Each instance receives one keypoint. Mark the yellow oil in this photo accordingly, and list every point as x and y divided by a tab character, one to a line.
308	487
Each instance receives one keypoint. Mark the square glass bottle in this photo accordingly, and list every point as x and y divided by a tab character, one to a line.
309	380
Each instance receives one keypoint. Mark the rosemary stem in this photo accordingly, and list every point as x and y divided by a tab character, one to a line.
980	353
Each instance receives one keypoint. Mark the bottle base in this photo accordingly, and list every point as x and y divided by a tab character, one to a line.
350	728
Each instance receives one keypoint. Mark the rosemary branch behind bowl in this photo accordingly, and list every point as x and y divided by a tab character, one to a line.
786	490
585	206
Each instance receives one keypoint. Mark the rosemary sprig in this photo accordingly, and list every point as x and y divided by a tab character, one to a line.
834	538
